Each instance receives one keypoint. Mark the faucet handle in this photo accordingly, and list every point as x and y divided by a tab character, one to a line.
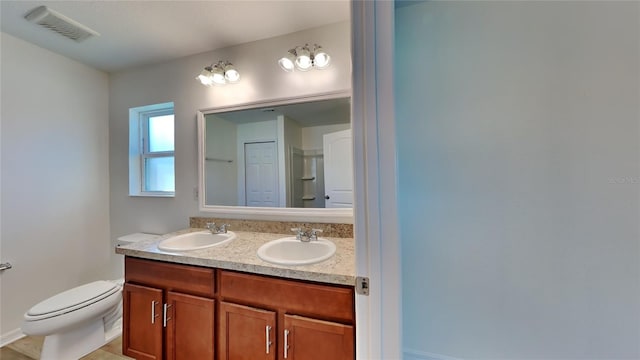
313	234
211	225
224	227
298	232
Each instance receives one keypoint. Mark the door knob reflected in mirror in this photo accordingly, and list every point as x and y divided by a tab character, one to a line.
326	197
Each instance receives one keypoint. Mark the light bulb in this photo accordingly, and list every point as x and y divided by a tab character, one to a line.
303	61
218	76
287	61
286	64
205	77
230	73
321	59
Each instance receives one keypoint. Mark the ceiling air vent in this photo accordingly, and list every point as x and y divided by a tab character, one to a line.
59	23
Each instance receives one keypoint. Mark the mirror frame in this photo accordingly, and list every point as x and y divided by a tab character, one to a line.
316	215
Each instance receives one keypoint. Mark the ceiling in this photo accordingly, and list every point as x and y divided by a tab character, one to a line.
142	32
315	113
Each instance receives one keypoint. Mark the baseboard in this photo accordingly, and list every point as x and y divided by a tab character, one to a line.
411	354
11	336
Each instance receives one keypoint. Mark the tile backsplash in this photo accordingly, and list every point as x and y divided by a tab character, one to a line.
275	227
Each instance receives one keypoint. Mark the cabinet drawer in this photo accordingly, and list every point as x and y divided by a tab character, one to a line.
297	297
176	277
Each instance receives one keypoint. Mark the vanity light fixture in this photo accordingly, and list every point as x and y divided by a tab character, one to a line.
219	73
304	58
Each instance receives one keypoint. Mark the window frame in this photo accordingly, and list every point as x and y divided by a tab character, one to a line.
139	148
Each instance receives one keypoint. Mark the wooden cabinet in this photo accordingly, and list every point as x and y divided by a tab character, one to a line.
166	315
312	339
313	321
142	328
174	311
189	327
246	333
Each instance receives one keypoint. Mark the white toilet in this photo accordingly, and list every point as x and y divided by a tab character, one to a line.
80	320
77	321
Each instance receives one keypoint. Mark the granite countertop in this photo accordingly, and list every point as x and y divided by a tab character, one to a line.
240	255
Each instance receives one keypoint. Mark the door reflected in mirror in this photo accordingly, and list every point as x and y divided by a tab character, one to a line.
294	155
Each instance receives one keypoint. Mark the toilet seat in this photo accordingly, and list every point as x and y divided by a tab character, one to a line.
71	300
72	308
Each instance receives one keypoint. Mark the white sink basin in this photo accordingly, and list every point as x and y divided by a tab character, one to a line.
195	240
291	251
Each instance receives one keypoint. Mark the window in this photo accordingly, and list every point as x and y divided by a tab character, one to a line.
151	150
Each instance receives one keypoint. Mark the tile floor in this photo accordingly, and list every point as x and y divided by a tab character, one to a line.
28	348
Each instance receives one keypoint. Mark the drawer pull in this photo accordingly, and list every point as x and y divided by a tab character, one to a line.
268	331
286	343
165	318
153	311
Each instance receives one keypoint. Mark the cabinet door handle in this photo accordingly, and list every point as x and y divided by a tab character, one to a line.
268	331
165	318
153	311
286	343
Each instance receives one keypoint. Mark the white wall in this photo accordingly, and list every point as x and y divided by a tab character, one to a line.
517	128
312	136
261	79
221	161
289	136
55	177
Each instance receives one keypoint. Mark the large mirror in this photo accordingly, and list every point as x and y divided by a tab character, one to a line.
282	158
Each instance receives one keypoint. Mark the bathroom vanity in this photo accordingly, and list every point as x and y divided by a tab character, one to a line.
226	303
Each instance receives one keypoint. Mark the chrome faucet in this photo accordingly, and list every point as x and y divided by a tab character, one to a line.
222	229
306	236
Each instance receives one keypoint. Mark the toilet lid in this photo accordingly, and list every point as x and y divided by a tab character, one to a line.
73	299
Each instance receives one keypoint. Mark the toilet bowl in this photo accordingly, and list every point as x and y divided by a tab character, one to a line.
77	321
80	320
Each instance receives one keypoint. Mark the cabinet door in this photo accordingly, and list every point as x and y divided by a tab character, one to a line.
142	322
246	333
310	339
189	327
